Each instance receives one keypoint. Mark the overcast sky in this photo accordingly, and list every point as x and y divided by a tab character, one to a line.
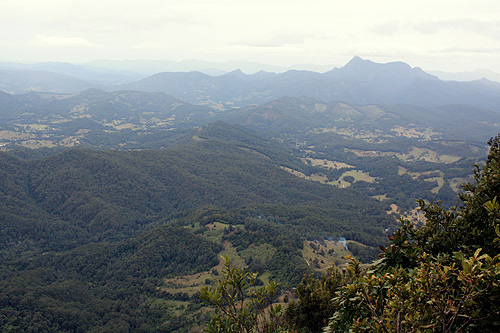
444	35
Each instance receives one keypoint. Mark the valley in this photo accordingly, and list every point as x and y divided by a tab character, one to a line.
117	206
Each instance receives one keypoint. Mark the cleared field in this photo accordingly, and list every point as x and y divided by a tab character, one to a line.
415	175
432	177
295	172
324	254
456	183
354	133
370	153
314	177
381	197
440	182
415	215
414	155
33	144
402	171
359	175
191	284
419	133
131	126
428	155
394	209
341	183
318	178
328	164
11	135
37	127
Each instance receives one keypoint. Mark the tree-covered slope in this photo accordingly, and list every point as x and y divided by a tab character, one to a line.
112	193
102	287
88	237
302	115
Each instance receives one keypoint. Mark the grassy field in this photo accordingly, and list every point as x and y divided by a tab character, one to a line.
415	215
11	135
319	255
38	135
417	154
191	284
370	153
456	183
417	133
359	175
351	132
328	164
440	184
394	209
381	197
377	135
314	177
322	255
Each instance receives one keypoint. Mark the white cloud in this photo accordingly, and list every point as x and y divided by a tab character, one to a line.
487	28
388	28
277	40
61	41
480	27
275	31
151	45
471	50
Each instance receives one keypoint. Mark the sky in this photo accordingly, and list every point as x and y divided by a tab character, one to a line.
451	36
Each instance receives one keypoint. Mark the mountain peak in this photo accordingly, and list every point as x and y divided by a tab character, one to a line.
357	60
358	64
388	75
236	73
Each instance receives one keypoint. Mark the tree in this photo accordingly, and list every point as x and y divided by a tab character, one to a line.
240	306
311	312
443	276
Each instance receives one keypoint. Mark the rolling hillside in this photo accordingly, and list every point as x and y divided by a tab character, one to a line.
115	206
88	230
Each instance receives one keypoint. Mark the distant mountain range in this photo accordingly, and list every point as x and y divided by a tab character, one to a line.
468	76
145	68
59	77
118	199
359	81
22	81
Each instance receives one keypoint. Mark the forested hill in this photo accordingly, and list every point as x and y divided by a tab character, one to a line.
300	115
89	230
115	207
98	195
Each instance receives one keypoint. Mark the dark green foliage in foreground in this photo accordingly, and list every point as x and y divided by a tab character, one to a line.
441	277
240	305
311	312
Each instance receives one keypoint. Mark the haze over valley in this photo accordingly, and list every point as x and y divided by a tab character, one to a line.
154	156
261	167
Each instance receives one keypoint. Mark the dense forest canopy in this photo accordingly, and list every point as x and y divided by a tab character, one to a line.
92	226
117	206
442	276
